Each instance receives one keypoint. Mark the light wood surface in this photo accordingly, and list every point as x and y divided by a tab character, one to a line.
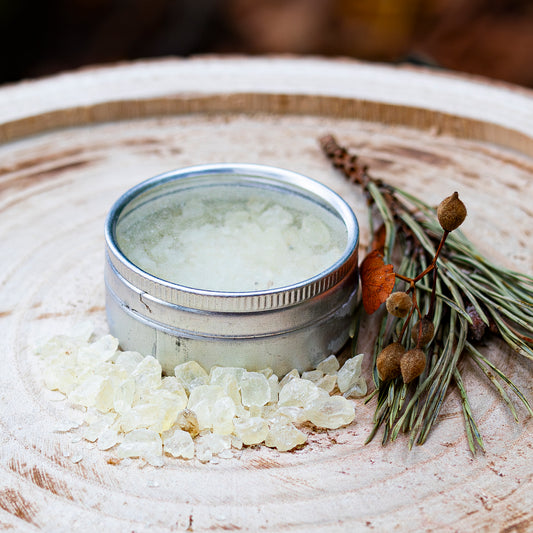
74	142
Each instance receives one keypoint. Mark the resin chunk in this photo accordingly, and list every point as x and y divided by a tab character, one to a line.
142	443
327	382
222	414
284	437
288	376
358	389
124	396
349	378
255	389
267	372
172	384
179	443
147	374
202	401
97	424
128	360
274	385
59	377
251	430
97	352
313	375
191	375
291	413
108	439
219	374
211	444
331	412
145	415
299	393
93	391
330	365
228	382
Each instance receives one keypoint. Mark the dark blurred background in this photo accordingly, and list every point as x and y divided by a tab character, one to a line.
489	37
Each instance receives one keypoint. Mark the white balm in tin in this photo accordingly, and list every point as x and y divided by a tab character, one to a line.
233	265
238	239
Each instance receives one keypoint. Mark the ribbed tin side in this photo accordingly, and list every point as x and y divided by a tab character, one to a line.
231	302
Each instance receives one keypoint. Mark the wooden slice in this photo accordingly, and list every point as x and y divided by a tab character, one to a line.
73	143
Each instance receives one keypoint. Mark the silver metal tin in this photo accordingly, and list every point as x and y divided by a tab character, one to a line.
295	326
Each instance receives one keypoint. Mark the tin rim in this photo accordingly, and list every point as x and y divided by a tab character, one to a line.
246	301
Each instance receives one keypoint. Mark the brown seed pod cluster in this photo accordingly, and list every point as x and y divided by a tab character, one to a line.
394	360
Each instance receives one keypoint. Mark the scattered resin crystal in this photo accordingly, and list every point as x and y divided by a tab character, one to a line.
329	412
179	443
211	444
284	437
134	411
349	379
191	375
328	382
141	443
188	421
330	365
255	389
108	439
252	430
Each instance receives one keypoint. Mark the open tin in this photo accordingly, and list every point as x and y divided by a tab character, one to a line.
294	325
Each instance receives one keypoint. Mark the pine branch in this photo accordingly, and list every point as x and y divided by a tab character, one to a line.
467	298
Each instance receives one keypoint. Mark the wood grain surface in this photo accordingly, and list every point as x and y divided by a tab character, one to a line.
73	143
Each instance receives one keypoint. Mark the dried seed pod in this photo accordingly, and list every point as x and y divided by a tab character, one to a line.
451	212
412	364
388	361
426	329
399	304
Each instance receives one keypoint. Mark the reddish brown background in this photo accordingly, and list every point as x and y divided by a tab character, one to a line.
488	37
